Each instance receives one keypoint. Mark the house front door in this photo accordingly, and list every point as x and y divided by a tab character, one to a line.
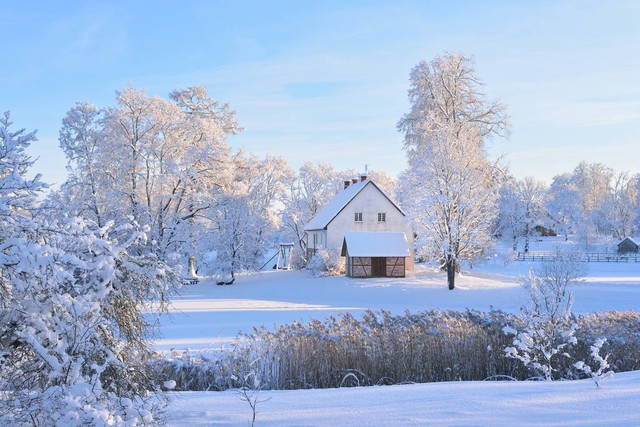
378	267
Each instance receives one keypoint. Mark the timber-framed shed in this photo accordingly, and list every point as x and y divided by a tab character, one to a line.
376	254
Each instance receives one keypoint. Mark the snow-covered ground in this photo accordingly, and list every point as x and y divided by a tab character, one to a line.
561	403
206	315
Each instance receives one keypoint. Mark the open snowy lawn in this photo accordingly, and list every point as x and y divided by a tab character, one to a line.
207	315
567	403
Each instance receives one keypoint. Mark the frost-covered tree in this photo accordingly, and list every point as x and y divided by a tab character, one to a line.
307	193
245	217
620	208
450	186
563	205
81	139
72	335
521	209
594	201
593	185
602	372
387	183
160	162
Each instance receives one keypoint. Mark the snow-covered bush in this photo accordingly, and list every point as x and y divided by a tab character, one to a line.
298	259
622	329
602	372
326	263
548	325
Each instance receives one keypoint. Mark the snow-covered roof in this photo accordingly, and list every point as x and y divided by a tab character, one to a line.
629	239
339	202
375	244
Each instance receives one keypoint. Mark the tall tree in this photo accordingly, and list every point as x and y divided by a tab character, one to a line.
563	205
245	217
521	209
580	201
159	162
307	193
81	139
450	186
622	204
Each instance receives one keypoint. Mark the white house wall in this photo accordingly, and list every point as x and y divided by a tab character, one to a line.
317	239
370	202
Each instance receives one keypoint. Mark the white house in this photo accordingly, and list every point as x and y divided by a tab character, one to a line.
360	207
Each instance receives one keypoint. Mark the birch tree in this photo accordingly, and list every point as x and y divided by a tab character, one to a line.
450	185
548	330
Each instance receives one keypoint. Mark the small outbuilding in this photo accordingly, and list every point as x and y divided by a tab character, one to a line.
628	245
376	254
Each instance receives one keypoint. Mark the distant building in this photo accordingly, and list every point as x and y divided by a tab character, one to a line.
627	245
360	207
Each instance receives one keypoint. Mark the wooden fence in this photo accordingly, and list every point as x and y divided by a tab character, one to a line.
582	257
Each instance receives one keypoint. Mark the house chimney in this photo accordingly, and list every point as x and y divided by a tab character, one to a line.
363	178
346	183
354	180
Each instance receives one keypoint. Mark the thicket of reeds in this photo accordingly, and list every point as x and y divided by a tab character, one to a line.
380	348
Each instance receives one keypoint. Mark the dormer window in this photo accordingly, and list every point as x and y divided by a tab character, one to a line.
358	217
382	216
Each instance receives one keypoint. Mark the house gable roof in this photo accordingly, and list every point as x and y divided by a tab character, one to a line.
629	239
325	215
375	244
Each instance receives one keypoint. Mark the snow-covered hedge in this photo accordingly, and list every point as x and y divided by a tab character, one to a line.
381	348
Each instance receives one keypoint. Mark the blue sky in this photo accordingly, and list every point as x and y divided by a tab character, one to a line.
327	80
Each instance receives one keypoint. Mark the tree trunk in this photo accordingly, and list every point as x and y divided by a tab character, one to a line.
451	271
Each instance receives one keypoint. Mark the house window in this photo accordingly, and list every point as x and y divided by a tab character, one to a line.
358	217
382	217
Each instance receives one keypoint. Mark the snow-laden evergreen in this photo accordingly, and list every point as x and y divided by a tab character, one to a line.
73	346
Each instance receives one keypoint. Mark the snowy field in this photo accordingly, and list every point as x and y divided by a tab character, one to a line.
206	316
561	403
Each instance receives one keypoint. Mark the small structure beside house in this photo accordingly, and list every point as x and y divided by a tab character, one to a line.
628	245
192	277
360	207
376	254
